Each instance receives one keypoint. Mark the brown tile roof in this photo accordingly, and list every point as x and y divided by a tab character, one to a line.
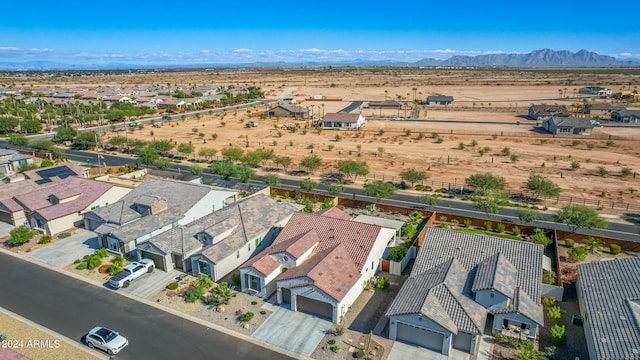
333	212
295	247
341	117
264	264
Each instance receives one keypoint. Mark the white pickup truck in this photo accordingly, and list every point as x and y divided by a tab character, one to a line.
131	272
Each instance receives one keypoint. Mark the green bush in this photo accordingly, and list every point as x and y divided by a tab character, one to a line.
45	239
172	285
235	277
577	254
193	294
488	225
539	237
336	349
516	231
549	277
204	281
103	253
501	338
569	242
558	334
114	268
359	354
467	223
262	312
82	266
382	283
554	313
77	261
548	301
500	227
94	261
118	260
20	235
615	249
331	342
397	253
246	317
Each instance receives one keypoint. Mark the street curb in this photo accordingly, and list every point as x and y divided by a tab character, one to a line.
160	307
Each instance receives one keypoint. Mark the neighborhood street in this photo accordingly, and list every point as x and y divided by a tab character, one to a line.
72	307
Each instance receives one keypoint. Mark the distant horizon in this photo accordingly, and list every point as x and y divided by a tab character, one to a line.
203	32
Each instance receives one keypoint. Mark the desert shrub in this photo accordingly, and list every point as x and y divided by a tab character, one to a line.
500	227
45	239
114	268
548	301
615	249
382	283
554	313
467	223
488	225
246	317
359	354
577	254
516	231
501	338
82	265
569	242
102	253
558	334
204	281
64	235
369	284
549	277
193	293
118	260
539	237
77	261
172	285
331	342
235	277
336	349
262	312
338	329
20	235
397	253
94	261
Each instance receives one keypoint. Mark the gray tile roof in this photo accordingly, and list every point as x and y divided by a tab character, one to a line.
247	219
496	273
180	197
475	253
572	122
610	295
440	98
437	294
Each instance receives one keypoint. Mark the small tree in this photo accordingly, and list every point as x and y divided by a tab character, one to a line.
283	161
335	188
430	201
542	186
308	184
579	216
413	175
539	237
186	148
353	168
593	245
529	215
271	179
244	173
20	235
490	202
379	189
311	162
486	182
195	170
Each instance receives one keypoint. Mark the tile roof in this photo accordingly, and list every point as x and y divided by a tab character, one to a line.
85	191
295	247
610	295
333	212
293	108
550	110
496	273
341	117
571	122
439	98
437	294
32	179
471	250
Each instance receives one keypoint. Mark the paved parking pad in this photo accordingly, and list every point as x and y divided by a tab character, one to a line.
63	252
5	228
149	284
294	331
402	351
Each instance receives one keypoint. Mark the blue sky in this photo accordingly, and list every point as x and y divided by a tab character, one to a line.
218	31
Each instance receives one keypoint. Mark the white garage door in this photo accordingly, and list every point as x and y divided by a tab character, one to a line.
420	336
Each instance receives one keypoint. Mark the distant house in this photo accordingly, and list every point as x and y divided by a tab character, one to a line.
609	298
319	263
439	100
343	120
11	160
170	104
386	104
61	206
155	206
457	281
595	90
286	110
626	116
217	243
545	112
568	126
602	109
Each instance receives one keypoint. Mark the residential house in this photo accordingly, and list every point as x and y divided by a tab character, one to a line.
10	211
609	299
319	263
386	104
439	100
545	112
155	206
287	110
626	116
61	206
170	103
11	160
595	90
458	280
218	243
599	109
343	120
568	126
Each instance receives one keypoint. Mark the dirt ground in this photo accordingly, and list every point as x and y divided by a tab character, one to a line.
481	95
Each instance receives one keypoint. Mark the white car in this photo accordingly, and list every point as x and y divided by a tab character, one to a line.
107	340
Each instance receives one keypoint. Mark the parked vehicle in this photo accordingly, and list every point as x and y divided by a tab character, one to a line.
106	340
251	124
134	124
131	272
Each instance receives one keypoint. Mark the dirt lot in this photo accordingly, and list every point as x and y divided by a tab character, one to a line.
481	95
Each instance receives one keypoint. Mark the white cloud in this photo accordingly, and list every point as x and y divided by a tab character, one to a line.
9	48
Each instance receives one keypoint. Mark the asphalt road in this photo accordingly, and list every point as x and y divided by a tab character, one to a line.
72	307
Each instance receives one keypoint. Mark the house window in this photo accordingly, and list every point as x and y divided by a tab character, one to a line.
285	258
203	267
258	241
253	282
175	224
248	246
238	254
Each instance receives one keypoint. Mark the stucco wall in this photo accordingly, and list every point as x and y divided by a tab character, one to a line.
484	298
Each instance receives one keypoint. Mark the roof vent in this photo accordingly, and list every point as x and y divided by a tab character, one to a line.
320	273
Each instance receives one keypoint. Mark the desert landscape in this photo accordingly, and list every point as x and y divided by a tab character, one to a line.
489	113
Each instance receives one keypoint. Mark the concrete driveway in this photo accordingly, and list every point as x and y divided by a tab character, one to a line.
294	331
63	252
149	284
5	228
402	351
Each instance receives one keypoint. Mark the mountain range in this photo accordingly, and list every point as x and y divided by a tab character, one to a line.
536	58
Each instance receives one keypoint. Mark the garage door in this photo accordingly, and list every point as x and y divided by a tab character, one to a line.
286	295
420	336
462	341
6	217
315	307
157	259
